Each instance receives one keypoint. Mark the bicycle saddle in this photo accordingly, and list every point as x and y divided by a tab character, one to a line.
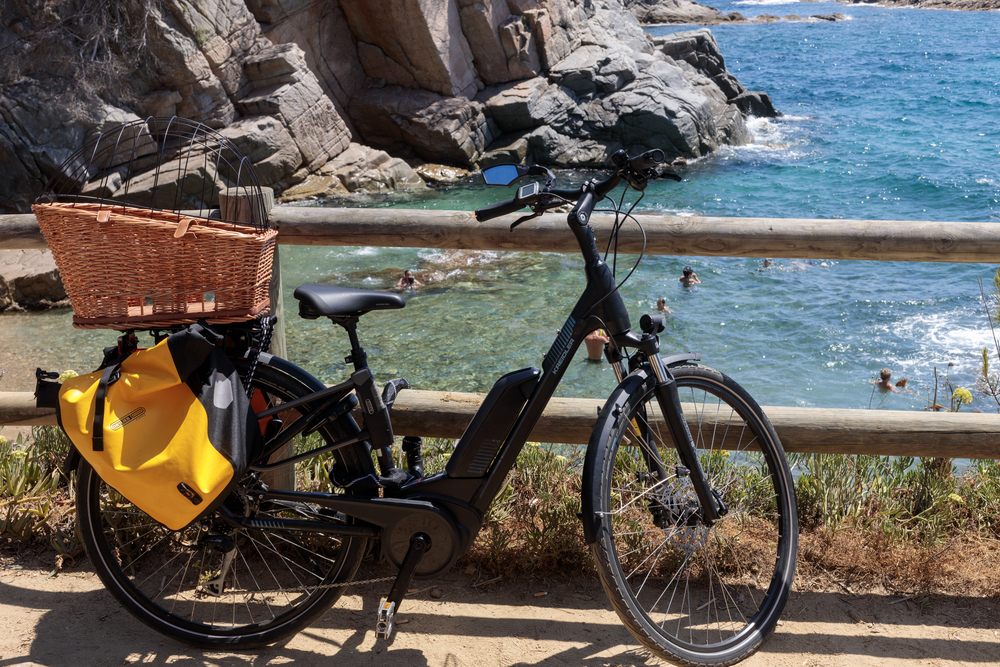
330	301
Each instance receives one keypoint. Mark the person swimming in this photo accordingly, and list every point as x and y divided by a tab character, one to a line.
689	278
595	341
661	305
408	281
885	380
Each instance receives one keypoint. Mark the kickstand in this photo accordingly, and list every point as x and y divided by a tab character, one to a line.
387	610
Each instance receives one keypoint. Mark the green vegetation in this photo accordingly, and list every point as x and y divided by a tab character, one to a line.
869	518
36	505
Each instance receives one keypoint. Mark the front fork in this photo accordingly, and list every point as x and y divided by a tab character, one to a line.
670	405
669	401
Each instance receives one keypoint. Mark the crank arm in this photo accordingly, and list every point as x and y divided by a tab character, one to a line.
389	606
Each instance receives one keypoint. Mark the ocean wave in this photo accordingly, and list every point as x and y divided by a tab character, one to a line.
943	338
987	181
766	2
455	259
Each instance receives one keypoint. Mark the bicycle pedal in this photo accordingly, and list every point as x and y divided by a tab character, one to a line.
384	623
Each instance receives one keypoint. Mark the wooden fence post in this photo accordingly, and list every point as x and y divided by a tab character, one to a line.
238	204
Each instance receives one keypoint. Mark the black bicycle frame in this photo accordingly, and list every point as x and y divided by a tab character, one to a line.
489	448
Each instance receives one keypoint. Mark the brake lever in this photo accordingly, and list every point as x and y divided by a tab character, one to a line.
669	176
524	218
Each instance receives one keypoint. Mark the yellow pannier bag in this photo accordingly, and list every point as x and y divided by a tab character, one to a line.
172	426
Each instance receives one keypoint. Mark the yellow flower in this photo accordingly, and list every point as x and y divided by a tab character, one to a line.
962	397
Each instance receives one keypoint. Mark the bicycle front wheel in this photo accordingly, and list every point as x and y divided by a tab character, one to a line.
690	593
211	585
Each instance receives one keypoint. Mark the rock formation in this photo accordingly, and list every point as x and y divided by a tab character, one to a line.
661	12
965	5
347	95
29	280
677	11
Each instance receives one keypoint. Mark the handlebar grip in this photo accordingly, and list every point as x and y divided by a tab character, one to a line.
496	210
647	160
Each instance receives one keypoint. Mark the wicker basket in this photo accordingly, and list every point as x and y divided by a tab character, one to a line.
123	268
127	264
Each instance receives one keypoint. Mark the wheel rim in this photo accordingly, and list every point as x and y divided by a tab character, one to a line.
173	580
702	589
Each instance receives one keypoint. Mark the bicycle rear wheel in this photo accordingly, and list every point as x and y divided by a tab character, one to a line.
693	595
273	583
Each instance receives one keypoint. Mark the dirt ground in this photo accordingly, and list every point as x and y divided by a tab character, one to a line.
70	620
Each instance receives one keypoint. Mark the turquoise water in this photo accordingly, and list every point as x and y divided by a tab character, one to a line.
891	115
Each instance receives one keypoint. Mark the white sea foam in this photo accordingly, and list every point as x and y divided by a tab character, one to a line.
448	259
941	338
751	3
987	181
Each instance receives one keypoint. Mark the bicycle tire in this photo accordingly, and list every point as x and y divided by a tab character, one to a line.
691	594
158	574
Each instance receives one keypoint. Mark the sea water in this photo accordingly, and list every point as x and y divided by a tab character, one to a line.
890	115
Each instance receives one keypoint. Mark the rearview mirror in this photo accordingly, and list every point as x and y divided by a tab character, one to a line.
503	174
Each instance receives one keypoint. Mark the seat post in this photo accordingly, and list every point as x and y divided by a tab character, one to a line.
358	355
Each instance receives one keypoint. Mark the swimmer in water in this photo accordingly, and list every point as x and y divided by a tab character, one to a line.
595	341
885	381
408	281
661	306
689	278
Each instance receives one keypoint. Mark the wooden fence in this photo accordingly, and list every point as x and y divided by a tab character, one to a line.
446	414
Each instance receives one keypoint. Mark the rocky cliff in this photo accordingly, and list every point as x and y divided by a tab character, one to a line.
347	95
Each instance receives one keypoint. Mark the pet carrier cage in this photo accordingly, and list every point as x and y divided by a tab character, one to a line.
135	226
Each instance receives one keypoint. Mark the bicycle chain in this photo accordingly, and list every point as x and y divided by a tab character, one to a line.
304	589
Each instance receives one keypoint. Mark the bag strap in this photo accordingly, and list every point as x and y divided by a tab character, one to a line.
102	391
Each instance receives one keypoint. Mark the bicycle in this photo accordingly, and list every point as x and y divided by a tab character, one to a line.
688	503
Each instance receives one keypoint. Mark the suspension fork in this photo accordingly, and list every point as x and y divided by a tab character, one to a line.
669	401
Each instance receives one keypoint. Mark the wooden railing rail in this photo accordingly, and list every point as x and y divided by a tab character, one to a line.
445	414
881	240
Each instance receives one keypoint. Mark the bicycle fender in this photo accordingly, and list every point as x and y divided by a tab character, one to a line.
596	448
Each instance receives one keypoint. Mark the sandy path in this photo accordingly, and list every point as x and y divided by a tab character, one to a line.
70	620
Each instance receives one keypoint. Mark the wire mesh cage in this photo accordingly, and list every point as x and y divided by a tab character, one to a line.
159	222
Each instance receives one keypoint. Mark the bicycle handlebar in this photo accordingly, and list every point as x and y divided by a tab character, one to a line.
496	210
636	171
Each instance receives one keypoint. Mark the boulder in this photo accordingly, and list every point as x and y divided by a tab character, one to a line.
29	280
754	103
321	30
672	11
594	69
284	87
520	48
698	54
179	184
503	47
269	147
363	169
441	174
439	129
551	147
512	106
314	186
509	149
413	44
